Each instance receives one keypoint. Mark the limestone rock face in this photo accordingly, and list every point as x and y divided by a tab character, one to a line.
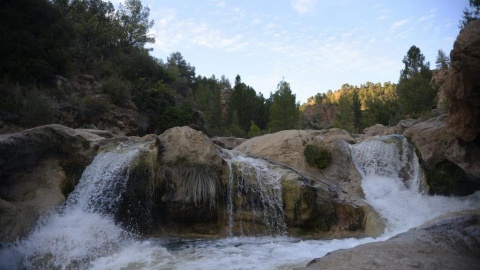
436	144
320	115
341	180
188	187
449	242
119	121
380	130
38	168
462	85
189	145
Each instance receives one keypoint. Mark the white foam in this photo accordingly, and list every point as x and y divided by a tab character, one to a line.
84	236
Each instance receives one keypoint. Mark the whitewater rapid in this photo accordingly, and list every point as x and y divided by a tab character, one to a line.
83	234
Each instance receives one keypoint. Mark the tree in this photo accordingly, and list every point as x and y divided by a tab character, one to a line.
443	61
345	118
414	63
34	37
470	14
415	93
94	30
208	100
134	25
357	111
284	110
180	69
254	130
245	102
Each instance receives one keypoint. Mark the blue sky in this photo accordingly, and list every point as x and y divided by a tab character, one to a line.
315	45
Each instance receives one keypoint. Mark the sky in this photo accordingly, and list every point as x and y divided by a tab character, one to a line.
314	45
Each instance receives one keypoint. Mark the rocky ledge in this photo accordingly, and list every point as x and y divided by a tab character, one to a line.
448	242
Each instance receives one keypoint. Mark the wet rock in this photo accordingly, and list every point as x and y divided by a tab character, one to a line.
340	183
448	242
227	142
435	144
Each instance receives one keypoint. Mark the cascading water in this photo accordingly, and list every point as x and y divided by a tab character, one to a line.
83	234
251	178
392	183
83	229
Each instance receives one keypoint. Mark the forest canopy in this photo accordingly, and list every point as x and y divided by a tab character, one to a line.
45	39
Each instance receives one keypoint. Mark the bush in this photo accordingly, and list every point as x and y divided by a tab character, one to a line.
11	96
38	108
318	156
118	90
93	107
446	178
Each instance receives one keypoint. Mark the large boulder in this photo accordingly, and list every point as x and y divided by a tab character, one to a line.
462	85
340	180
188	145
38	168
189	186
176	187
448	242
381	130
435	145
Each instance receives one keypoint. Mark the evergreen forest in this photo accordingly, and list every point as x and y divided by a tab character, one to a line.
44	41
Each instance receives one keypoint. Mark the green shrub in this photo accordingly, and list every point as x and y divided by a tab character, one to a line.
318	156
446	178
37	108
11	95
93	107
254	130
118	90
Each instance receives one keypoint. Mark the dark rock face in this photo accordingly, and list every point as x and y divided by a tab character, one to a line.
462	86
227	142
436	145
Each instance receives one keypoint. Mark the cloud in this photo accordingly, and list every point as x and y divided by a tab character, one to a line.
427	17
303	6
172	31
399	24
381	17
221	4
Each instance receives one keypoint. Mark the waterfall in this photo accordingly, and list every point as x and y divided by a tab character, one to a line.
392	182
83	234
83	229
254	188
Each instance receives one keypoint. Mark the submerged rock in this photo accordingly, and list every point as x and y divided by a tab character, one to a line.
448	242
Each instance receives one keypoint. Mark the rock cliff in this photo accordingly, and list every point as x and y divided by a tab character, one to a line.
462	85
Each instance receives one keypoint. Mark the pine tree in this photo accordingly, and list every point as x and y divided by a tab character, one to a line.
443	61
415	93
284	110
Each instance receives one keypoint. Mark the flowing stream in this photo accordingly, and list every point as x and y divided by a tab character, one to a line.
83	234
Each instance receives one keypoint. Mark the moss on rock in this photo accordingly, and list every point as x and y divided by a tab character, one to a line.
318	156
447	178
